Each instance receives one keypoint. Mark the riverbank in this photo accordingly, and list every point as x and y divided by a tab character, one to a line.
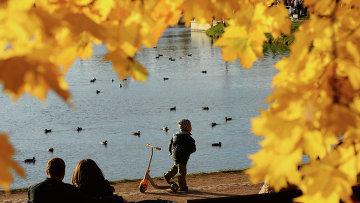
273	45
203	185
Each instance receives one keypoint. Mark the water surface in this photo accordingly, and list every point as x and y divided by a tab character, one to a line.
227	89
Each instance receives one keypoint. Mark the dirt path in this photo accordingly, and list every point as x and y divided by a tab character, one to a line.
218	184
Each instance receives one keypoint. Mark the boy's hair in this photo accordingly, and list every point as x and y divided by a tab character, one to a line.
55	168
185	125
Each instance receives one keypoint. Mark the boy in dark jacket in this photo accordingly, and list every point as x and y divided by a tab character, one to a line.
181	146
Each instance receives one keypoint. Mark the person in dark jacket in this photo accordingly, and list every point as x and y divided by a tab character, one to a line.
182	145
89	178
53	189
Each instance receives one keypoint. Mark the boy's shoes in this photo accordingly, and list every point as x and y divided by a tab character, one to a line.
185	189
167	179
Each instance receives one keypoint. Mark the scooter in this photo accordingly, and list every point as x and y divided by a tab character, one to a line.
143	186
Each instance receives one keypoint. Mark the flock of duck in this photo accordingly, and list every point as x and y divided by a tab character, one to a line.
212	124
137	133
170	58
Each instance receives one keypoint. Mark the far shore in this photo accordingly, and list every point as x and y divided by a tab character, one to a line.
201	185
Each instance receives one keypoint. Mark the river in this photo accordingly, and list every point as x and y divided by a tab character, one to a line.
227	89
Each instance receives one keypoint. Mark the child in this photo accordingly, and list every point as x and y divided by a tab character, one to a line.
181	146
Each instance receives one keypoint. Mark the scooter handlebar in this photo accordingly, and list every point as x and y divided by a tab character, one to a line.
150	146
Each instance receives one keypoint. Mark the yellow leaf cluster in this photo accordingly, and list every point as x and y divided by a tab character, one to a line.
7	164
204	11
314	108
244	37
51	34
42	38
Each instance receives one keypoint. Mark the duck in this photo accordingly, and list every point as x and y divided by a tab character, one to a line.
120	86
46	131
173	108
51	150
205	108
166	129
112	80
125	79
97	91
166	79
216	144
228	119
28	161
104	142
204	71
160	55
157	57
137	133
79	129
93	80
214	124
189	54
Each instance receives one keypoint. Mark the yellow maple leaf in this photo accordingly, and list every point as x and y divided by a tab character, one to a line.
104	7
340	165
201	10
7	163
126	66
21	74
83	2
236	43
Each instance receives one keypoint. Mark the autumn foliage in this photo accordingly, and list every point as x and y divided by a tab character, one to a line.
314	108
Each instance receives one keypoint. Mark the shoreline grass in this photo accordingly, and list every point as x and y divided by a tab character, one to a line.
215	31
272	45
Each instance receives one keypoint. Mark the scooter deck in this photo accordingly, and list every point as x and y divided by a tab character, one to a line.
156	186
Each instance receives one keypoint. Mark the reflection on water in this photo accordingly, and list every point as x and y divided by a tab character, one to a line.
112	115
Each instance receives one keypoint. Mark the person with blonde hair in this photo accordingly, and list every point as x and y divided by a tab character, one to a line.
182	145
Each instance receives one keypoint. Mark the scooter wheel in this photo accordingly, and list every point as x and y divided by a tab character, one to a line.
142	188
174	187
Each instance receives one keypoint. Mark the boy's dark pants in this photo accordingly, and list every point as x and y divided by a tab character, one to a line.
181	168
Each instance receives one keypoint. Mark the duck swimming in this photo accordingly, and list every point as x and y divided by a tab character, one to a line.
228	119
214	124
104	142
166	129
216	144
46	131
29	161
